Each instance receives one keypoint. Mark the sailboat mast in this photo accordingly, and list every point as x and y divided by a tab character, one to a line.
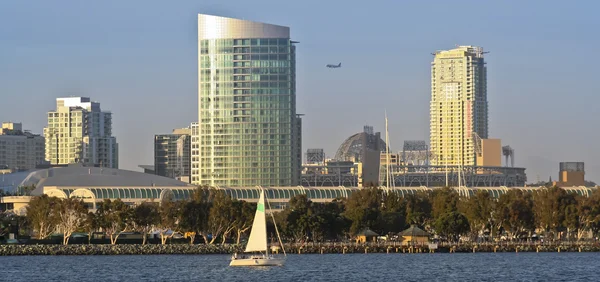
387	153
265	214
446	143
276	230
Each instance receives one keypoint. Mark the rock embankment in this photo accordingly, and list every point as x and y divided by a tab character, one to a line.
171	249
202	249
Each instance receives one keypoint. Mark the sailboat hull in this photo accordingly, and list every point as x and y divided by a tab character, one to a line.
258	261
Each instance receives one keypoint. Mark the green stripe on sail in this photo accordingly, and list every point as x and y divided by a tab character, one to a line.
260	207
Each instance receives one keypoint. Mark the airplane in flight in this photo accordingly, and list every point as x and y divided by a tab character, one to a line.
335	66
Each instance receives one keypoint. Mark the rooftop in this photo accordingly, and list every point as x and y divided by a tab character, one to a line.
81	176
414	231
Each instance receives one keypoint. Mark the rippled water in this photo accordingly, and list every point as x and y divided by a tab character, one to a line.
328	267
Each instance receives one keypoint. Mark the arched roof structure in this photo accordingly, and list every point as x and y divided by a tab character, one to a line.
81	176
274	194
133	193
353	148
278	196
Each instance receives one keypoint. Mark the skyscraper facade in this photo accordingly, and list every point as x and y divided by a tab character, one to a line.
79	131
459	107
248	129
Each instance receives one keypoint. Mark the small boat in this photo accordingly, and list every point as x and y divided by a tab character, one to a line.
257	242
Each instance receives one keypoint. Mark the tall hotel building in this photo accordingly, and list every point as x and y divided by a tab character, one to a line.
80	132
459	107
248	131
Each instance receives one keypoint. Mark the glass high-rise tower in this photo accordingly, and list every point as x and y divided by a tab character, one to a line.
248	131
459	107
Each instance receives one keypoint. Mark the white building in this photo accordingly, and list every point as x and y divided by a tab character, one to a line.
20	150
80	132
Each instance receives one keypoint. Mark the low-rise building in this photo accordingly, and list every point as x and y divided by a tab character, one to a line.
571	174
95	184
92	185
414	236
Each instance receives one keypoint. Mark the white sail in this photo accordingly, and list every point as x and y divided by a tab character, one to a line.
258	235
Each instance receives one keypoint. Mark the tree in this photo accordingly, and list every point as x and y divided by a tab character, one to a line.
300	218
196	213
9	219
193	219
336	226
327	222
552	206
6	221
299	224
90	225
418	208
392	216
514	212
145	217
571	219
220	221
282	223
171	213
114	217
546	209
451	225
40	214
362	208
478	209
243	213
444	200
300	203
589	212
71	214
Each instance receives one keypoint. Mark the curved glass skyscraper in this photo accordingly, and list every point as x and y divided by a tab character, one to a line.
248	132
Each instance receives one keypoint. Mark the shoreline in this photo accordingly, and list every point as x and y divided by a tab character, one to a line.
202	249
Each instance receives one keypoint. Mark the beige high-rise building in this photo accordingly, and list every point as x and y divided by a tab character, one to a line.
80	132
459	107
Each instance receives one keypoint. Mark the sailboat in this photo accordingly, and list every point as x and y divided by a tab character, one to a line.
258	241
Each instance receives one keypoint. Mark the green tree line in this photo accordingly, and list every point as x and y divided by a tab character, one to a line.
215	217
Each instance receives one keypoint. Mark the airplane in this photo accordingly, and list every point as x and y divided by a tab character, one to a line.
335	66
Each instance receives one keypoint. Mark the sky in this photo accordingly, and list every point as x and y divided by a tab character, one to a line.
139	60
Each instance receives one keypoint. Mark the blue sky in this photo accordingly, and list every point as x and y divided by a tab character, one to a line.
138	58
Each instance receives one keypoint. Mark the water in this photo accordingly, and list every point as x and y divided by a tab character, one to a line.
328	267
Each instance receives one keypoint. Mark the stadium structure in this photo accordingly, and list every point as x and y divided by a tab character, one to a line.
354	165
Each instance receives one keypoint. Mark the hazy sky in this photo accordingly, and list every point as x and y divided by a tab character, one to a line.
139	59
